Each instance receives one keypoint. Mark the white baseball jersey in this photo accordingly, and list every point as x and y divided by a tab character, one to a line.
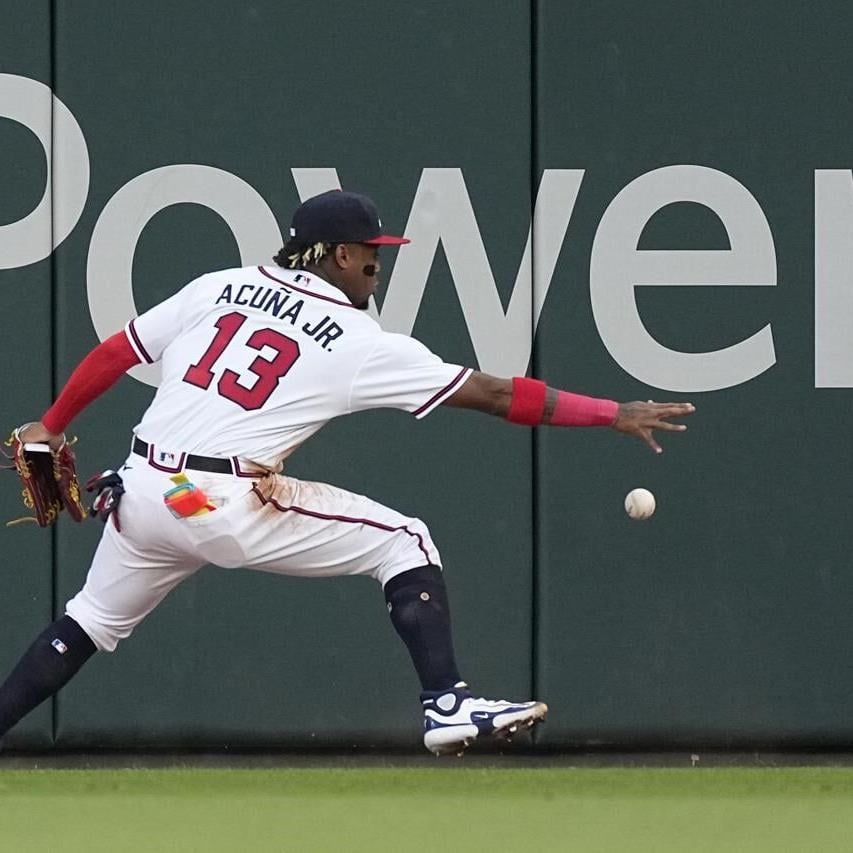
256	360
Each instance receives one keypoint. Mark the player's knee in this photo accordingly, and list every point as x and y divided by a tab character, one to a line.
104	633
105	638
415	546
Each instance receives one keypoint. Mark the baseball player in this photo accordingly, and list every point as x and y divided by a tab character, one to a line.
254	362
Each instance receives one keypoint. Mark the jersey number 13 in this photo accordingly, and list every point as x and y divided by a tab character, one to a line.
268	373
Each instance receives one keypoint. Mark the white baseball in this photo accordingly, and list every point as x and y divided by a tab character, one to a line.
639	504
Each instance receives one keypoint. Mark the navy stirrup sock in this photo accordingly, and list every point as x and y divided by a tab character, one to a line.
49	663
420	613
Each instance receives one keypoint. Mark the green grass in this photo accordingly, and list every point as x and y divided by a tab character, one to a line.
441	809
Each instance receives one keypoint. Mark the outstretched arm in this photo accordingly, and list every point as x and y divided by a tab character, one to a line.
531	402
98	371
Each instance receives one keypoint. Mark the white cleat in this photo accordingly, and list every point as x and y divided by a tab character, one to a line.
454	719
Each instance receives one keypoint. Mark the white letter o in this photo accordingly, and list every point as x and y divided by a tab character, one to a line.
109	273
34	237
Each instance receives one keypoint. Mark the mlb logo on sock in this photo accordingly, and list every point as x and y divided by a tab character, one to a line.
59	646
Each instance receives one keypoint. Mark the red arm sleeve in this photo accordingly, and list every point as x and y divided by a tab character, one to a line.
98	371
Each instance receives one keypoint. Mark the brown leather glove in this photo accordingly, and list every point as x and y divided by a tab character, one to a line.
49	478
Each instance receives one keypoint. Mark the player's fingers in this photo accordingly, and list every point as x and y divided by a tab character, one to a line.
669	414
674	409
650	440
666	425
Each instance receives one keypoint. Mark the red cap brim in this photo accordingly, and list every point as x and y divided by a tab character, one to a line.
388	240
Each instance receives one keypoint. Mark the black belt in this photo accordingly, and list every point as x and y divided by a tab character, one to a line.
212	464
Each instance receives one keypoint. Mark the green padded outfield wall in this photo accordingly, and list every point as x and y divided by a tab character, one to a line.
27	282
725	619
687	173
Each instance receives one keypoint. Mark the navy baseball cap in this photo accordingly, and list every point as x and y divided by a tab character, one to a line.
337	216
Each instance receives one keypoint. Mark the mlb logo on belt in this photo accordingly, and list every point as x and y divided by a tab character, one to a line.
165	458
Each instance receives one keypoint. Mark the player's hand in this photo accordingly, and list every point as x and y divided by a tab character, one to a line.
641	419
37	433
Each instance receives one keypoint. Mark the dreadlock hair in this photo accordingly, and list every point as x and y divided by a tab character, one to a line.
296	256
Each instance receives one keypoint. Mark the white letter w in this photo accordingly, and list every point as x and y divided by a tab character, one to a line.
441	210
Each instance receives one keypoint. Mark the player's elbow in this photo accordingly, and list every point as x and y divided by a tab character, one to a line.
498	397
484	393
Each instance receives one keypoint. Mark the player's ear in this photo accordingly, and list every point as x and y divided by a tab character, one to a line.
342	255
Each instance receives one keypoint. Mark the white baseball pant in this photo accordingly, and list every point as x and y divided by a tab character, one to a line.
281	525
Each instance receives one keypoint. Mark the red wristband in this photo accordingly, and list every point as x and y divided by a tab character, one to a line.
528	401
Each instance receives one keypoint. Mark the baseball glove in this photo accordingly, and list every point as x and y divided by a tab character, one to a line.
49	478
